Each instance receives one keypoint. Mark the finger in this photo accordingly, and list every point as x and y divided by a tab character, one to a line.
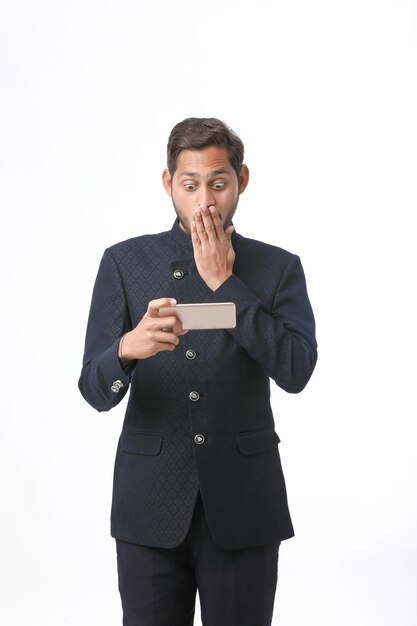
155	305
199	224
170	324
209	226
164	322
178	333
217	222
160	347
164	336
178	329
198	236
228	232
194	234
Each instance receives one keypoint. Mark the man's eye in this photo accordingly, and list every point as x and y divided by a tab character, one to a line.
219	185
189	186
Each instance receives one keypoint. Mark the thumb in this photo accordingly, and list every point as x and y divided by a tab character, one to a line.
228	231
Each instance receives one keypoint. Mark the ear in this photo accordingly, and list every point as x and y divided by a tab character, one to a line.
243	178
167	182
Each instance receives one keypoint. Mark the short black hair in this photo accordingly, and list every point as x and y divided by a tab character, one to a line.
196	133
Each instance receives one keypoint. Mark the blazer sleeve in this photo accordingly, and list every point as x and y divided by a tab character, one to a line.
282	340
103	382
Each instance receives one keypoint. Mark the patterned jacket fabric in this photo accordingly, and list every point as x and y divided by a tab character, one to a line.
199	418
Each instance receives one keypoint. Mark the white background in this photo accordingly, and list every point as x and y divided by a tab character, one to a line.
324	95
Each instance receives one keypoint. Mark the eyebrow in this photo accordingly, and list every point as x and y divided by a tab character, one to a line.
210	174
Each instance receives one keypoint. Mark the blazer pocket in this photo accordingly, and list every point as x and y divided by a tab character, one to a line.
257	441
141	443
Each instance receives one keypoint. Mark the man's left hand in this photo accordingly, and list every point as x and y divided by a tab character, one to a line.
213	251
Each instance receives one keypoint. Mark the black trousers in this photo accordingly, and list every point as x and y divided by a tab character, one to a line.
158	585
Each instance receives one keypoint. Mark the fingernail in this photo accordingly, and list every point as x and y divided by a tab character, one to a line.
172	301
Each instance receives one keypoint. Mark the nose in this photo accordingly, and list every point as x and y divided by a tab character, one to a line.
206	196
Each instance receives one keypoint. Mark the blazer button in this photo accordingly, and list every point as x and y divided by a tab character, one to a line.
194	396
116	386
199	439
191	354
178	274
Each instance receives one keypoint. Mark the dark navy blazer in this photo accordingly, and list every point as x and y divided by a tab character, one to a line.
199	418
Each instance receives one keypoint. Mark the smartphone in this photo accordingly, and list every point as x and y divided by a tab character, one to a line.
203	315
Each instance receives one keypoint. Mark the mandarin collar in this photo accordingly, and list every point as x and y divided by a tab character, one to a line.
181	238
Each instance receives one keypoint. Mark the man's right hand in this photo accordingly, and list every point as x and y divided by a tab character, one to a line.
153	333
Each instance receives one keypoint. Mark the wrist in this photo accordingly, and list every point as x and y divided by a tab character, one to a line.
215	283
124	361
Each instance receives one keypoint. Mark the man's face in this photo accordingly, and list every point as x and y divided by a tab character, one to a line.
205	177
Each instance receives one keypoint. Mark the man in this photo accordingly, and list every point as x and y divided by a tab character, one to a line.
199	498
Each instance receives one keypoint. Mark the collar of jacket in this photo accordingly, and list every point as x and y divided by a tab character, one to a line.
181	238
